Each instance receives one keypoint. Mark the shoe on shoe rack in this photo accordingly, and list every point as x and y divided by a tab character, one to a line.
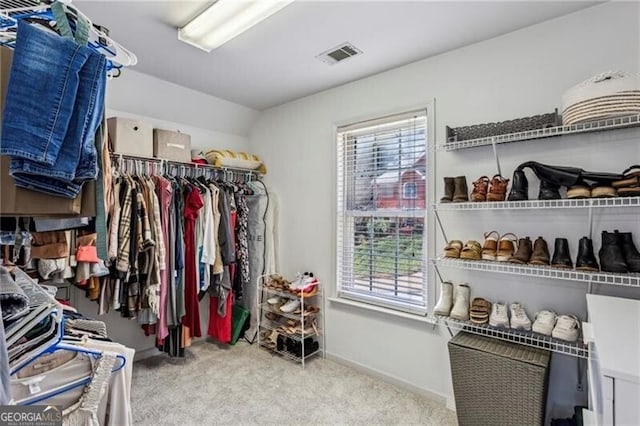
523	254
544	322
611	256
586	260
460	310
567	328
445	301
629	250
490	246
480	188
453	249
479	312
579	191
548	190
302	280
460	191
472	250
499	316
449	187
506	247
519	187
498	188
290	306
274	300
540	254
561	256
519	318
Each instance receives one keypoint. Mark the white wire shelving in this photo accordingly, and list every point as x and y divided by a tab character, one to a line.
528	338
289	355
564	203
627	280
593	126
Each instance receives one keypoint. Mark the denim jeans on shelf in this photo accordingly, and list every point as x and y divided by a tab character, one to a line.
41	94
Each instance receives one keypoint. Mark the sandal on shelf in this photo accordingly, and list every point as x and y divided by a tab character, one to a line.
602	190
629	186
480	187
579	191
471	251
272	316
506	247
498	188
452	250
480	310
490	246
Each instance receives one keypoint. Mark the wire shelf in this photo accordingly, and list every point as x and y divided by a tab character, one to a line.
288	295
289	355
528	338
296	336
593	126
628	280
564	203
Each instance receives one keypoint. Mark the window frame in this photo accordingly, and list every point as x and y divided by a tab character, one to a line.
415	190
428	290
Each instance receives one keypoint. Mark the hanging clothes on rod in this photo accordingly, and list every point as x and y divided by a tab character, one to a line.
184	237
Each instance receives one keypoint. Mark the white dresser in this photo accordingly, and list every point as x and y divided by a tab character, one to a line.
613	334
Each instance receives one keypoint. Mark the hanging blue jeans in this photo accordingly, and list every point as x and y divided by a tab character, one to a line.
41	94
58	155
77	158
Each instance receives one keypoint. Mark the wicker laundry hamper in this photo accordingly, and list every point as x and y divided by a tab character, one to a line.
497	382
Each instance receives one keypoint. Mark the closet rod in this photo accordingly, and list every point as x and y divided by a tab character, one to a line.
116	157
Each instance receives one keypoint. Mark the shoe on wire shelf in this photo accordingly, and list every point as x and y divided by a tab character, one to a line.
567	328
499	316
544	322
519	318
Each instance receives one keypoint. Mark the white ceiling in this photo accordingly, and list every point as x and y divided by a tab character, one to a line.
275	62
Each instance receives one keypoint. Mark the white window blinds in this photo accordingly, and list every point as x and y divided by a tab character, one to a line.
381	212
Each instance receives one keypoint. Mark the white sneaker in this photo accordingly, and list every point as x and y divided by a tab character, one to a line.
567	328
499	316
295	283
519	318
290	306
544	322
274	300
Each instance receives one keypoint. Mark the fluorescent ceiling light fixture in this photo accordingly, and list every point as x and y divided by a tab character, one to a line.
226	19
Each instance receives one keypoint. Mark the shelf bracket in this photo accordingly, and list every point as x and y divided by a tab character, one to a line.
444	234
590	230
495	155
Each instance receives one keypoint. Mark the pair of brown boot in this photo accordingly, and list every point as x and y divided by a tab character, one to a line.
455	190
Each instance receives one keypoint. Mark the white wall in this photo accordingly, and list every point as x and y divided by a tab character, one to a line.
211	122
516	75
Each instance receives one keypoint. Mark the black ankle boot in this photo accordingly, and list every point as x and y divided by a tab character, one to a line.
561	257
629	251
519	187
548	191
586	260
611	257
280	342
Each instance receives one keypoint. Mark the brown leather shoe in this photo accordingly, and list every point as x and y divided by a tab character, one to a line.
498	188
540	254
506	247
523	254
480	188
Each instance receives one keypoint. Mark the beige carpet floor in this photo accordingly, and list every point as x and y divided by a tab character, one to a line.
247	385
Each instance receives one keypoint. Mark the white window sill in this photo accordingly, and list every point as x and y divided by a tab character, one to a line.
427	319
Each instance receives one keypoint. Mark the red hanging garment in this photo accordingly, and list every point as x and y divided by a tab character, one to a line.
193	203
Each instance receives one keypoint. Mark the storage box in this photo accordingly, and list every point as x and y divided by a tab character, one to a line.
16	201
497	382
6	56
170	145
130	137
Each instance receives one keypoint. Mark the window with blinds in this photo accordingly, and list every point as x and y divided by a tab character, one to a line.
382	212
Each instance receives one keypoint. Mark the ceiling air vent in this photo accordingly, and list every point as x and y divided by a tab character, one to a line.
339	53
